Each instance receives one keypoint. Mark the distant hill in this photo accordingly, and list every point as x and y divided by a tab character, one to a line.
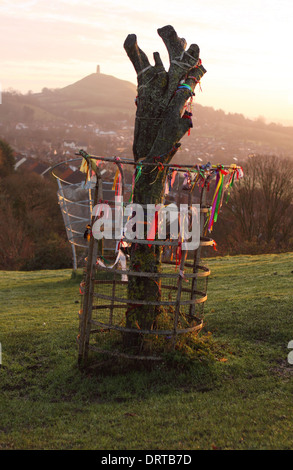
97	94
94	96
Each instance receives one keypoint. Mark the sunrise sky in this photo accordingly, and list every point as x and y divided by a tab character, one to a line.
246	46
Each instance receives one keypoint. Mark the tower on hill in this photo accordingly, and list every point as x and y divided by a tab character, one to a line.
98	69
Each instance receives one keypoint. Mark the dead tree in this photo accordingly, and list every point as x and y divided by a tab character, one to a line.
161	122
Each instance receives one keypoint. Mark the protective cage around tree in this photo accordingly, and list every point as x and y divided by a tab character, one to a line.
106	302
75	200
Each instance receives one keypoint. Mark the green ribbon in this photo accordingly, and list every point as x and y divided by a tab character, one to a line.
219	198
138	173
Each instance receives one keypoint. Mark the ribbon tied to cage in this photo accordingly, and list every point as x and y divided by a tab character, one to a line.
117	183
153	228
119	258
87	161
218	197
135	178
160	168
216	200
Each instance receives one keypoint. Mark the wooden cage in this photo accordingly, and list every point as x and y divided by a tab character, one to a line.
182	279
105	301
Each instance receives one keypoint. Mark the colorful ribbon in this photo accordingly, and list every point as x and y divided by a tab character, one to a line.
135	179
219	191
117	183
216	199
84	167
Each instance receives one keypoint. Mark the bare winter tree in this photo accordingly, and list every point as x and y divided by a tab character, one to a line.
261	204
161	122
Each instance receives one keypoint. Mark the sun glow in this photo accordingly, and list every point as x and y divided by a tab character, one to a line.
245	46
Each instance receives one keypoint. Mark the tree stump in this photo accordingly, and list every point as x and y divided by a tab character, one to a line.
162	119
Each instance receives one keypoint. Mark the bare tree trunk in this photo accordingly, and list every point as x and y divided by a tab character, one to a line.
160	124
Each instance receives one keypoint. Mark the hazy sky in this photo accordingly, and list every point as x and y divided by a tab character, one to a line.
246	46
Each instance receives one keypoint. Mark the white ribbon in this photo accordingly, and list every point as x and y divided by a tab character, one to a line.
120	257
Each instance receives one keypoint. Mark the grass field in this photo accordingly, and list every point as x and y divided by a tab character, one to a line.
241	399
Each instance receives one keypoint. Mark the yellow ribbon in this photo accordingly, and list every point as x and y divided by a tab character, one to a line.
84	165
115	179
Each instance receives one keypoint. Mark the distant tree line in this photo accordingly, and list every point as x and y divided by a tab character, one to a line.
259	215
32	232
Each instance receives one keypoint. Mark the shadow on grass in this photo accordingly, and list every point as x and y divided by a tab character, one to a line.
200	368
49	371
41	361
121	381
52	284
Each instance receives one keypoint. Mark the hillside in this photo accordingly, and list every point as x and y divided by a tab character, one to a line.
238	399
97	94
107	104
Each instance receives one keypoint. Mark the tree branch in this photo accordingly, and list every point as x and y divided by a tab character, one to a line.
159	124
135	54
175	46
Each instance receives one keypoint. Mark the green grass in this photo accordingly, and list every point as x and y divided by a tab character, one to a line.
243	402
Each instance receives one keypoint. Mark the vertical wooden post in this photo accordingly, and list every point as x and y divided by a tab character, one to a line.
178	298
85	323
113	295
197	253
89	291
